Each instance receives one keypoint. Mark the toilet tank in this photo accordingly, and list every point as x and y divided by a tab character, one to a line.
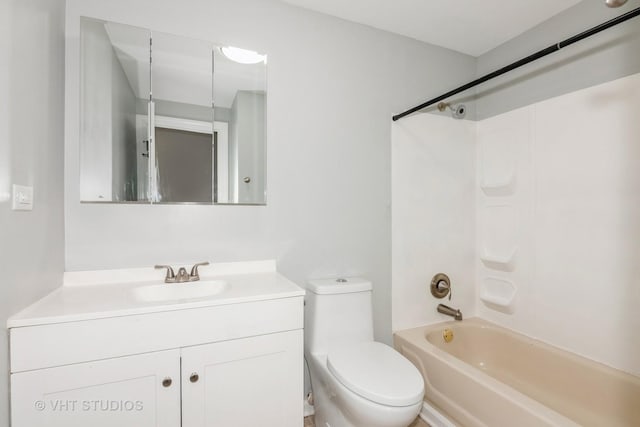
337	311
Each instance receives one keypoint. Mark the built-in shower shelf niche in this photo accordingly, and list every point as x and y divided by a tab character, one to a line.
498	228
498	294
499	189
498	162
496	262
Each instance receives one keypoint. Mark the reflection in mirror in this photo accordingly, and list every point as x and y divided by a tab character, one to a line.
183	148
240	95
152	134
114	77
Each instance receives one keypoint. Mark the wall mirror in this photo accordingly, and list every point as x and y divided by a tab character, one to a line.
169	119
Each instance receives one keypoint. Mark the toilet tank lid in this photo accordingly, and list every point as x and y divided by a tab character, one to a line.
339	286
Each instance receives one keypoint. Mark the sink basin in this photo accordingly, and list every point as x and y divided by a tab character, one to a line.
180	291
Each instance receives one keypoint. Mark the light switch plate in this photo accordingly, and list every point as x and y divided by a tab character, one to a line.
22	198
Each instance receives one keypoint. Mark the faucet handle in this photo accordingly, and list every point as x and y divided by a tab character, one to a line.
441	286
194	270
171	275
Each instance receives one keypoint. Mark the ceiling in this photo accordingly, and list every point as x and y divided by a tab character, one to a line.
468	26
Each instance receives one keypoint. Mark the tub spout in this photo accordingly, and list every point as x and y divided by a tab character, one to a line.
445	309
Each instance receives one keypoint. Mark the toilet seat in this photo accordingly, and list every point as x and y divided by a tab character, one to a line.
376	372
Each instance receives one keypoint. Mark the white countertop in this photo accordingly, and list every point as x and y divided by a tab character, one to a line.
102	294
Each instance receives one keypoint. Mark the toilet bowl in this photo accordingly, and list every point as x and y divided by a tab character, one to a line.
337	405
356	381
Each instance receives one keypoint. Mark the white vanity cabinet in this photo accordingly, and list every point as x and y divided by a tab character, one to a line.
246	382
232	361
124	391
231	383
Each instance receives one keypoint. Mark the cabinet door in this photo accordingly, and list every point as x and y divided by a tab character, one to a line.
245	382
123	392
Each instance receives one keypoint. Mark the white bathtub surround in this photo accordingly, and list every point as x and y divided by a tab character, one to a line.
504	215
567	229
433	216
199	360
554	225
488	375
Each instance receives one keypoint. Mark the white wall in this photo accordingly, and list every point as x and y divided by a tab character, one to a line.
573	213
607	56
433	221
31	153
332	89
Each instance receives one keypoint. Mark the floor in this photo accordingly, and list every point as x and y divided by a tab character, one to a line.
419	423
308	422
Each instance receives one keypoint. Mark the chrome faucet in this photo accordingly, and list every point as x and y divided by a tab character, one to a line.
445	309
182	275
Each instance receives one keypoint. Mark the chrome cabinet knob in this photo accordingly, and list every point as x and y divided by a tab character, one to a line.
194	378
167	382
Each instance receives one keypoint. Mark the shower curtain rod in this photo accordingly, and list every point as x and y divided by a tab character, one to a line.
541	53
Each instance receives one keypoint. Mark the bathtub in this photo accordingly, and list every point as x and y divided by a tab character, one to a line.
491	376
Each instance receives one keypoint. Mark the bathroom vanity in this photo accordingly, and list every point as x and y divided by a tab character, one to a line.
116	348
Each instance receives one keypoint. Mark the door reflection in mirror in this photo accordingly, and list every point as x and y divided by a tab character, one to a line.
190	128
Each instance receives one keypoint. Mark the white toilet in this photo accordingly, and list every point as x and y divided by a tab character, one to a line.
356	381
